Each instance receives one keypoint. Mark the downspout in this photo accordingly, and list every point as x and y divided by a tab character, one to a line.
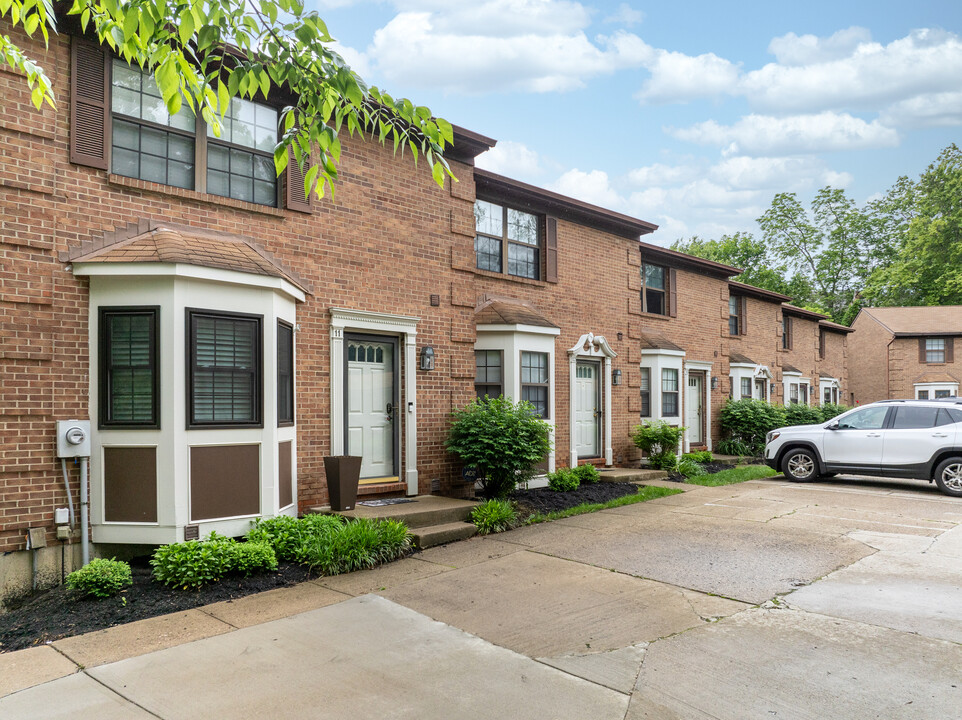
84	540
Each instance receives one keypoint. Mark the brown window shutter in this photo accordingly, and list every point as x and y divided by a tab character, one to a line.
921	350
89	103
743	327
791	334
950	349
551	249
294	196
821	344
672	293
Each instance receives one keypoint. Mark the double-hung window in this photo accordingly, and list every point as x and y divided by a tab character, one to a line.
654	289
240	163
734	315
669	392
489	375
746	388
793	393
129	372
645	392
224	369
534	380
786	333
935	350
285	373
507	239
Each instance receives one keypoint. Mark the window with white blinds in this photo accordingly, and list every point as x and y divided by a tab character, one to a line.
225	369
128	367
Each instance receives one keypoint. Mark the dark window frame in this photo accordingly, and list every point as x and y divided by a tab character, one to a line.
488	384
505	243
786	332
673	395
645	394
286	392
546	385
257	373
106	370
943	352
665	291
734	319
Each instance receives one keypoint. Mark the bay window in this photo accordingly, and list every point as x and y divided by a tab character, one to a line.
129	373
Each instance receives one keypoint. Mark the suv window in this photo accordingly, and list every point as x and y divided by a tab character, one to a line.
907	417
947	416
868	419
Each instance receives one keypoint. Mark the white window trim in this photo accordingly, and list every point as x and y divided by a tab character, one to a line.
828	383
737	371
344	320
597	347
656	360
698	366
953	388
792	378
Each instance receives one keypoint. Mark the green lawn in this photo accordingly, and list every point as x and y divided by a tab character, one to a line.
735	475
643	495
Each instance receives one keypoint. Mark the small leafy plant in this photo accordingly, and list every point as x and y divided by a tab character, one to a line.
587	473
689	468
101	578
563	480
494	516
195	563
700	456
659	441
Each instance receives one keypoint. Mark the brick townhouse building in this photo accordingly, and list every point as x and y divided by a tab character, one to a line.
223	333
905	352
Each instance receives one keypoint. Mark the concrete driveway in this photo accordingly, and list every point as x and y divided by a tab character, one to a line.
761	600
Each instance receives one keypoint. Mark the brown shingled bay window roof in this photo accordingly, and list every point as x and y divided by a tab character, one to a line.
503	311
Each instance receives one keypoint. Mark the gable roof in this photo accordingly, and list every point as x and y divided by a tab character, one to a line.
171	243
654	341
927	320
502	311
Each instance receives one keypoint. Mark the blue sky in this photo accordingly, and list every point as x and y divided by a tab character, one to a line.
691	115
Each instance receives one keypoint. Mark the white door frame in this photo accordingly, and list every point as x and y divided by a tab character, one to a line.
594	346
705	367
401	325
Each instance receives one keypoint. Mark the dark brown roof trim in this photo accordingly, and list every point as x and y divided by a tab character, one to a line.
835	327
737	288
802	312
949	333
468	145
673	258
491	186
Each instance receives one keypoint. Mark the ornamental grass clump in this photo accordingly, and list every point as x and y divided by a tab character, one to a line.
494	516
355	545
502	440
101	578
689	468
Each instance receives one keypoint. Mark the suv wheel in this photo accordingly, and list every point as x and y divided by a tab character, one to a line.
948	476
800	465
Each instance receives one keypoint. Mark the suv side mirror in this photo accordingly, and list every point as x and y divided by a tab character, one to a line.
833	426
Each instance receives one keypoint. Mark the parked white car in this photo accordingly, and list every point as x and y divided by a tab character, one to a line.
893	438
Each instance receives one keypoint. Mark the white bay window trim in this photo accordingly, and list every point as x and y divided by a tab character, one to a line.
933	387
752	372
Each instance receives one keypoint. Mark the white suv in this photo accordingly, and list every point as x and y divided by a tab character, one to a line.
892	438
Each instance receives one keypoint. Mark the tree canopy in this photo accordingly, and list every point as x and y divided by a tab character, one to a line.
205	52
904	248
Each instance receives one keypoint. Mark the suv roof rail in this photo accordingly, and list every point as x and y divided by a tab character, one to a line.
879	402
952	399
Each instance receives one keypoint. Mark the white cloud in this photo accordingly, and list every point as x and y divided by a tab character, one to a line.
591	187
357	60
790	174
792	49
676	77
870	75
767	135
625	15
510	158
660	174
934	109
499	45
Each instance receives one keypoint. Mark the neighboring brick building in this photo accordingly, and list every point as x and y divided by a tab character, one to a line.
223	333
905	352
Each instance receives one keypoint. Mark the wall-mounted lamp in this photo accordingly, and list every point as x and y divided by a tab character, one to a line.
621	336
771	389
427	358
616	377
714	382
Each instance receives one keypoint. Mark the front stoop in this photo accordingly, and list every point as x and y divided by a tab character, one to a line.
431	519
632	475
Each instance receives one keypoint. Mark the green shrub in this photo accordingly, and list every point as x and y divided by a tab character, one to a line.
587	473
355	545
659	441
288	535
798	414
689	468
494	516
831	410
700	456
503	440
101	578
749	420
733	447
192	564
563	480
248	558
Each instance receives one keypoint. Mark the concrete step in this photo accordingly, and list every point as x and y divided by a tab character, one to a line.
632	475
425	537
425	511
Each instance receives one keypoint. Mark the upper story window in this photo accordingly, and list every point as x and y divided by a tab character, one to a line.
821	344
507	240
129	372
148	143
786	333
654	289
935	350
734	315
534	380
489	373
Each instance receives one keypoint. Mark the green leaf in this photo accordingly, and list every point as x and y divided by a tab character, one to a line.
186	29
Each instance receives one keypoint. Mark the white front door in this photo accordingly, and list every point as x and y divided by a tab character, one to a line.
695	408
587	410
370	407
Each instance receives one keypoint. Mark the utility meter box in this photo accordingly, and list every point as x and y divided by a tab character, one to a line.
73	438
61	516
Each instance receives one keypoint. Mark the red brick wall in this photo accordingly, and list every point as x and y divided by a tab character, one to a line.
871	357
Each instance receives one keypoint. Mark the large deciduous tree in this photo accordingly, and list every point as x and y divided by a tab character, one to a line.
204	52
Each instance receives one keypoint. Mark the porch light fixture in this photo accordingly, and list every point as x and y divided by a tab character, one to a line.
714	382
771	389
616	377
427	358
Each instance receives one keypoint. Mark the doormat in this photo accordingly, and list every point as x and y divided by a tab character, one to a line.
382	503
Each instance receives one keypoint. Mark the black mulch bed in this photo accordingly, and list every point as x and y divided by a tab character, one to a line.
543	500
710	468
58	613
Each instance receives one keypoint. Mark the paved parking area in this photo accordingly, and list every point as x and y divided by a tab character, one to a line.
761	600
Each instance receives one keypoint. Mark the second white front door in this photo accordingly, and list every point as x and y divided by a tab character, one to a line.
587	409
371	411
695	408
